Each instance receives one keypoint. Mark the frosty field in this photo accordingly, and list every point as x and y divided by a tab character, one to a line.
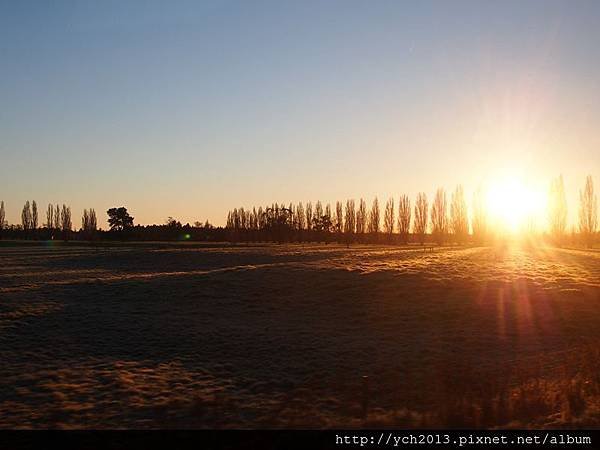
158	335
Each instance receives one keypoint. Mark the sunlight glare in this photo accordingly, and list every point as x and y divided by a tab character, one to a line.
514	204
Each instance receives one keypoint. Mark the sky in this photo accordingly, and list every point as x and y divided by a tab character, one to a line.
189	109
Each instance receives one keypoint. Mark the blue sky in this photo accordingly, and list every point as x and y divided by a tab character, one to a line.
188	109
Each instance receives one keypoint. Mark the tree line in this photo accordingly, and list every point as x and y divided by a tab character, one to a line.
59	226
349	222
444	219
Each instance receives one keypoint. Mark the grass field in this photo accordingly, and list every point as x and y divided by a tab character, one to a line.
156	335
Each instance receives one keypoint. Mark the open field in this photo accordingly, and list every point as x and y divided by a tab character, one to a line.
282	336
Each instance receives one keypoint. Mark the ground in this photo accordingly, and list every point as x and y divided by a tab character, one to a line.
159	335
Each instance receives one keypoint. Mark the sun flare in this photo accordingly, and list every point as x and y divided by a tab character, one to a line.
514	204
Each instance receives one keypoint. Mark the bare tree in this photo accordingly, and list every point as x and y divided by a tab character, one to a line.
85	220
319	210
557	210
301	216
93	220
388	219
361	217
2	217
339	217
34	215
421	216
260	218
65	219
89	223
458	213
439	217
26	219
50	217
588	212
57	222
350	221
309	216
479	220
373	227
404	218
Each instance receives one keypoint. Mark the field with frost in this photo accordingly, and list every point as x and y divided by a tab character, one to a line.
154	336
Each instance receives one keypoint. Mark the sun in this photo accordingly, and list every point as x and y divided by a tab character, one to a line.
513	203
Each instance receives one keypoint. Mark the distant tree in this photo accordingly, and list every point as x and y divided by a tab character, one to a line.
439	217
557	210
2	217
254	219
93	224
404	218
388	219
119	219
65	219
361	217
84	220
50	217
479	221
57	223
350	221
89	223
458	214
588	212
173	223
322	224
34	215
309	216
319	210
26	219
374	222
301	217
261	218
421	216
339	218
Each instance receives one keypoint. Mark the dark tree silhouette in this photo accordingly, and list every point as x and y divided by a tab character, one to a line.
421	217
301	217
439	217
404	218
319	210
350	221
34	215
361	218
50	217
309	216
65	219
57	224
374	222
26	220
89	224
2	217
119	219
339	219
388	219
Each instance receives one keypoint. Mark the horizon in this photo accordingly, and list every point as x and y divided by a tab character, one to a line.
189	110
